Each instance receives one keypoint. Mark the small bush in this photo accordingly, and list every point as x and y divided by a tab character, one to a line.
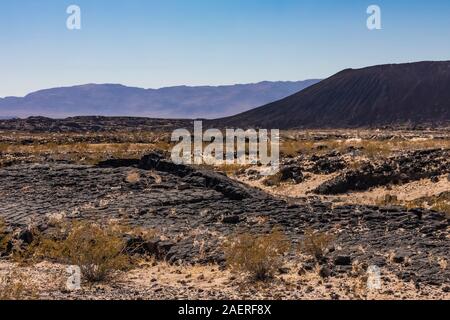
97	250
24	253
440	203
316	244
231	169
4	237
274	180
133	177
388	200
2	227
259	256
442	206
17	286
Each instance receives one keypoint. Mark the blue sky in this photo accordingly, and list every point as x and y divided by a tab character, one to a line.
156	43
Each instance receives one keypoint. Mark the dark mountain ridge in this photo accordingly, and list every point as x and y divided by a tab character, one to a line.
386	95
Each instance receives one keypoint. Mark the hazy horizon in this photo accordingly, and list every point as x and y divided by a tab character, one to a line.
159	88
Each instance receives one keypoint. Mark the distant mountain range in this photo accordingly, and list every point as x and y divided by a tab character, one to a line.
395	94
170	102
386	95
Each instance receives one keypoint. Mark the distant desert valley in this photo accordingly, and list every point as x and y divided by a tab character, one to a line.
359	209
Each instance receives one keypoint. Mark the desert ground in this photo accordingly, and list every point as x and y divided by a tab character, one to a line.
111	201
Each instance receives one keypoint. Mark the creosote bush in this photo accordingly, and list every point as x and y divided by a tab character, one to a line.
98	250
316	244
260	256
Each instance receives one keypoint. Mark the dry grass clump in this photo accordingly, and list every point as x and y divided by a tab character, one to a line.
369	148
4	147
163	145
442	206
133	177
4	237
260	256
17	286
421	144
80	152
2	226
294	148
388	200
98	250
231	169
375	149
316	244
273	180
439	203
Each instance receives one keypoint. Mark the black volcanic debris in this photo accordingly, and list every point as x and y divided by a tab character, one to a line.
192	206
200	178
399	169
412	94
92	124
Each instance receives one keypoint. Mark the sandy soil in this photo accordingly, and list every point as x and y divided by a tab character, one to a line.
406	192
161	281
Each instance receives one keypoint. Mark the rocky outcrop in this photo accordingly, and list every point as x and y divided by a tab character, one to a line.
92	124
200	178
196	210
396	170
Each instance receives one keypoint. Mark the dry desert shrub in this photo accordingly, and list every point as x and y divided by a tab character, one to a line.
231	169
4	147
370	148
5	237
375	149
439	203
258	255
273	180
294	148
163	146
442	206
17	286
421	144
316	243
24	251
98	250
133	177
388	200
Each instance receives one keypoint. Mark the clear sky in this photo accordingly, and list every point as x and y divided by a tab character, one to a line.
156	43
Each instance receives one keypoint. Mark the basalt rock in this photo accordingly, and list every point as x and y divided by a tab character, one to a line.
327	164
210	207
291	173
199	178
396	170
